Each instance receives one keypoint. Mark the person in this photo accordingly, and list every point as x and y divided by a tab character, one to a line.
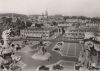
12	45
2	42
93	52
44	50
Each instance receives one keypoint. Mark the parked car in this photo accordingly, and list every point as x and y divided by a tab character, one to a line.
47	43
57	49
60	43
58	67
43	68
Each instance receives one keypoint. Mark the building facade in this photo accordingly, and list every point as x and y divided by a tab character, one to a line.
73	33
38	32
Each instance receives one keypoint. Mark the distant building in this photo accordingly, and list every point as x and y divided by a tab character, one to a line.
73	33
46	14
92	25
65	24
76	20
88	35
38	32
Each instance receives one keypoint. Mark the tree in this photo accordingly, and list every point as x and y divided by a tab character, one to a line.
28	23
54	23
64	18
38	25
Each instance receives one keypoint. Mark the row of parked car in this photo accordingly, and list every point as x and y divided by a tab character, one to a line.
54	67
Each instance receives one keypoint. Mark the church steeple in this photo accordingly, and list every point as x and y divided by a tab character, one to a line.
46	13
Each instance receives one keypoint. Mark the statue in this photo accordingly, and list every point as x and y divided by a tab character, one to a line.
41	54
8	59
5	37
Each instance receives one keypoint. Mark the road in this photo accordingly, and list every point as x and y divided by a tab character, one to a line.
58	39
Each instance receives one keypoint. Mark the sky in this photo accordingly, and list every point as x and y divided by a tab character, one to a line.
64	7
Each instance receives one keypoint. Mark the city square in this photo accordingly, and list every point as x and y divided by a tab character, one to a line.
49	35
68	55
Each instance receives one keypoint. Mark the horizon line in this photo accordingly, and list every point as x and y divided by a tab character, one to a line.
48	14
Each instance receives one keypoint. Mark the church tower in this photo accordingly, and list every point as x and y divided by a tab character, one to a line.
46	14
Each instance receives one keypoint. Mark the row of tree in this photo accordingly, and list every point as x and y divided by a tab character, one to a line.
7	22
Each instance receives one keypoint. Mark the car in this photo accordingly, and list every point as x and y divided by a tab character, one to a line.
60	43
77	67
58	67
56	49
43	68
47	43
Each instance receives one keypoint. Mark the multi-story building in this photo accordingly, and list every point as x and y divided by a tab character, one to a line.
65	24
76	20
38	32
79	32
92	24
73	32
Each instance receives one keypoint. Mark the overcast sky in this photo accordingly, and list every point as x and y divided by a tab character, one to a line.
64	7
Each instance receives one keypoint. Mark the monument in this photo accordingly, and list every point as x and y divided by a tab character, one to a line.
42	53
5	37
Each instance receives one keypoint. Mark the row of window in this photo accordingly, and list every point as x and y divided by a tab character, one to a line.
75	33
83	30
35	34
32	31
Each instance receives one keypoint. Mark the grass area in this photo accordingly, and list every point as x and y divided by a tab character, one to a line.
70	49
78	49
66	63
64	49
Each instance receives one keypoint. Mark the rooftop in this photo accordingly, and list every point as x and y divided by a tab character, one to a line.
41	29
